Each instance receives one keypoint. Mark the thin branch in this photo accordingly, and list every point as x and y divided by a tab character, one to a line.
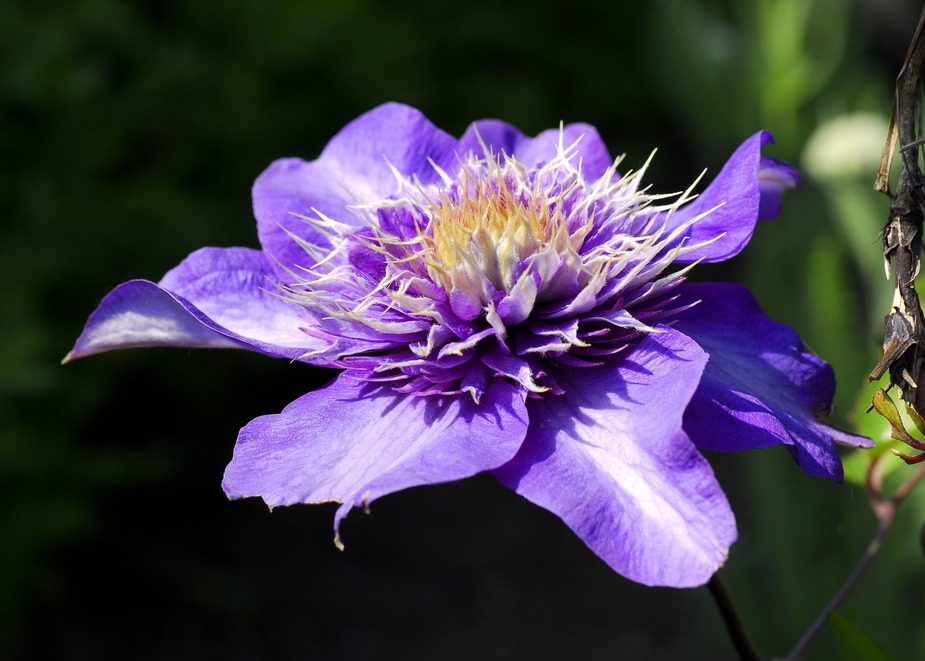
850	583
906	487
885	511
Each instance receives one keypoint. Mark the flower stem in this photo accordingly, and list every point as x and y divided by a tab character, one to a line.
885	510
733	621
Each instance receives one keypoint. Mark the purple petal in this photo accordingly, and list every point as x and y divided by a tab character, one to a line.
738	197
589	150
138	313
234	287
217	297
285	195
761	386
499	137
363	154
610	458
352	443
502	138
356	165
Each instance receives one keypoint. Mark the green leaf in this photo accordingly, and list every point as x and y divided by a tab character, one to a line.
884	405
879	425
865	420
916	418
852	643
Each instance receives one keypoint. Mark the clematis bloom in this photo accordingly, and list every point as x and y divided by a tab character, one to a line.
507	304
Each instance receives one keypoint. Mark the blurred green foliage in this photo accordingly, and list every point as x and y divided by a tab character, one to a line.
130	133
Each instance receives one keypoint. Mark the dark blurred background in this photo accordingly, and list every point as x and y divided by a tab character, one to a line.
130	133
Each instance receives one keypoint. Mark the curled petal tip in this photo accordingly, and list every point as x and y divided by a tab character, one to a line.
774	177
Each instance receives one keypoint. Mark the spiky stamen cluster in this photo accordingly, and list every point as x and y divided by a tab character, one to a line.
500	270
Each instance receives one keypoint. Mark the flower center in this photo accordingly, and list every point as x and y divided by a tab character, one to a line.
491	226
497	236
500	270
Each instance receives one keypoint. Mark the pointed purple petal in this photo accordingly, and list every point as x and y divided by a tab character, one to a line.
352	443
761	386
610	458
138	313
739	197
217	297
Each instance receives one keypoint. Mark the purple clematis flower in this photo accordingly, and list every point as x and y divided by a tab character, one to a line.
507	304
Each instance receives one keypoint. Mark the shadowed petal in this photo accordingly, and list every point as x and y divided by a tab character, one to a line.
610	458
217	297
352	443
761	386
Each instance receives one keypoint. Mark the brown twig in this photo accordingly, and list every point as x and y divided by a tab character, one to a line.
904	326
